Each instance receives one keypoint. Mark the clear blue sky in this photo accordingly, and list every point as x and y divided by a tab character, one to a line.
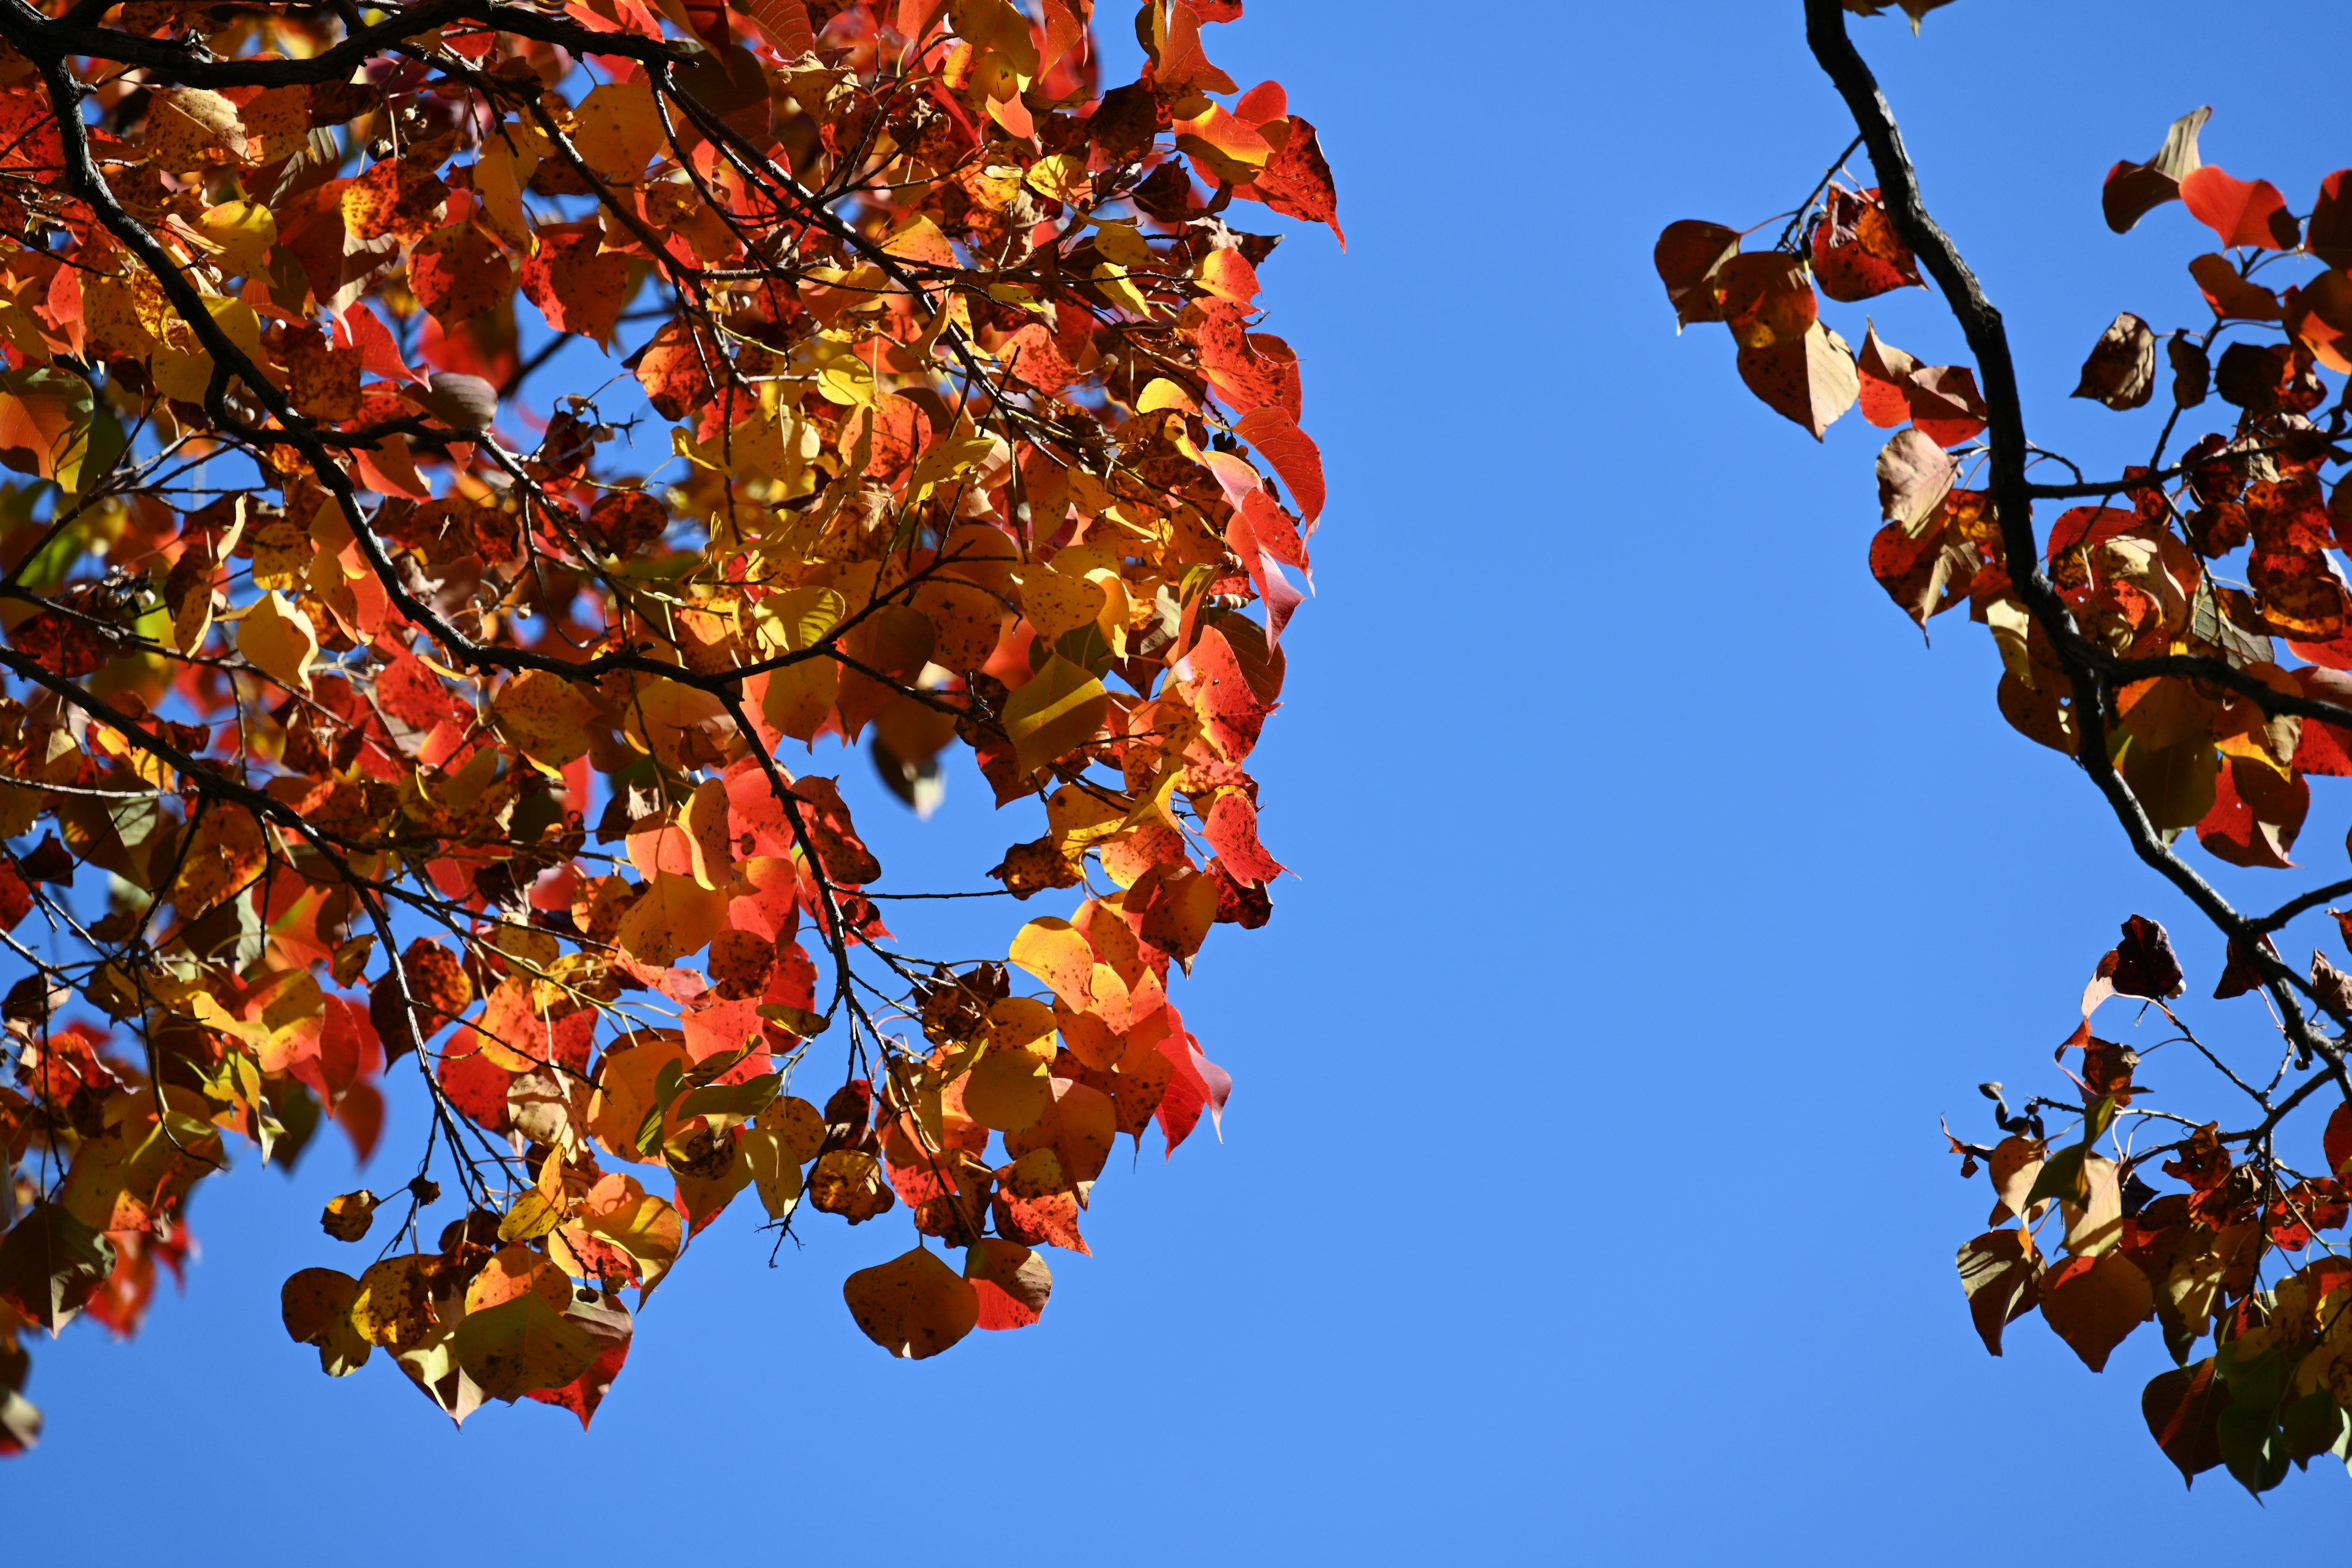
1581	1196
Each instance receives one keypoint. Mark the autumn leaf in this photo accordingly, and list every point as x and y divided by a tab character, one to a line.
1913	476
1011	1282
1809	379
1058	709
2001	1276
2121	371
44	418
522	1344
578	288
1688	256
1855	253
317	1306
448	652
278	640
2134	190
2183	1408
2242	212
2093	1303
348	1217
914	1306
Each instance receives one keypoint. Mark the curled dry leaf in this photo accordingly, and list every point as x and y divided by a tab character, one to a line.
2134	190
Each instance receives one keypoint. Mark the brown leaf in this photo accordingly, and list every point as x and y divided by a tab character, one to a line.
1913	475
2093	1303
348	1217
2121	371
1999	1270
914	1306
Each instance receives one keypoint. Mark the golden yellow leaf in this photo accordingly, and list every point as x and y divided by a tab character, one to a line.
1060	708
277	638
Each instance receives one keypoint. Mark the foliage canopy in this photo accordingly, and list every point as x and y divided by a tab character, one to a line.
352	733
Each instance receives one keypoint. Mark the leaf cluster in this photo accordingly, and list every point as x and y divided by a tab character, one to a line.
392	688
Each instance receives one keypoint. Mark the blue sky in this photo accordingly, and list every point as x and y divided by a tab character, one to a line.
1582	1196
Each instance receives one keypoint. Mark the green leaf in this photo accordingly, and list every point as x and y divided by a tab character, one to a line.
2313	1424
735	1101
2061	1177
2252	1447
666	1087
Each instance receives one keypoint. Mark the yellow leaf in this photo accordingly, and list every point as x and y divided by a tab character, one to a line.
1057	954
500	172
796	699
708	836
1062	178
1054	603
187	126
641	1224
277	638
245	231
183	369
795	619
774	1173
1060	707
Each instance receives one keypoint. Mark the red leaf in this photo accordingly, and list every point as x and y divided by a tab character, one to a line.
1297	181
2255	815
1886	374
2088	525
1294	454
1232	831
2328	236
475	1085
575	287
1944	404
1809	379
1012	1281
2337	1139
1034	356
610	1323
1855	253
15	896
2146	964
2133	190
2242	212
1687	255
